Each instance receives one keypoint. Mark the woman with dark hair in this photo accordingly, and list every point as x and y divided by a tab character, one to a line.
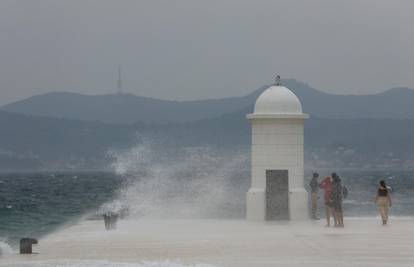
337	196
383	200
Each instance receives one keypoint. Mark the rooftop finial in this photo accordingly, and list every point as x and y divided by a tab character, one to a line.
277	82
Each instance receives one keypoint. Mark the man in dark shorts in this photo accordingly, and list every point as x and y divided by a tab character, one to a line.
337	196
314	185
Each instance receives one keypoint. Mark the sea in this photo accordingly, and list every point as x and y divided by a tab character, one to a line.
36	204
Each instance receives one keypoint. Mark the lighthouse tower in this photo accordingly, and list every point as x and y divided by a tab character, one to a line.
277	191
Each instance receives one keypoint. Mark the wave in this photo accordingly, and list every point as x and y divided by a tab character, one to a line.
196	182
5	248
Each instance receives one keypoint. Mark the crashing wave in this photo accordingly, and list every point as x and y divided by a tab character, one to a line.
5	248
196	182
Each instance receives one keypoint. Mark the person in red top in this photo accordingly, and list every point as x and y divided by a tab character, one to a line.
326	185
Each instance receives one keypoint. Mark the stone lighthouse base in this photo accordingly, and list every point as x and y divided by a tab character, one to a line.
257	208
298	199
256	205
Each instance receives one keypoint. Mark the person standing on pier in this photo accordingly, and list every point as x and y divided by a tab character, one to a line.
314	185
383	200
337	197
326	184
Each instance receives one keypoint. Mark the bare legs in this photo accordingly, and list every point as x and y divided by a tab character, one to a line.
383	209
314	205
339	218
329	212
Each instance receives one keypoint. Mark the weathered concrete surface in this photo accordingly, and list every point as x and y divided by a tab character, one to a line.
363	242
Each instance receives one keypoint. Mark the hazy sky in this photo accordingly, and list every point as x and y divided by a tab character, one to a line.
198	49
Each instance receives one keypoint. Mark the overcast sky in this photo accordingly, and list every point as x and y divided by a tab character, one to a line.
203	49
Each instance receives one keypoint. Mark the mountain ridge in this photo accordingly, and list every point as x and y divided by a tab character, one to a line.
129	108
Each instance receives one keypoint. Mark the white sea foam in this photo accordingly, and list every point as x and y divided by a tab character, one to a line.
5	248
62	263
195	182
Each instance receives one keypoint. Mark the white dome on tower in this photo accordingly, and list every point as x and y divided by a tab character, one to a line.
277	99
277	154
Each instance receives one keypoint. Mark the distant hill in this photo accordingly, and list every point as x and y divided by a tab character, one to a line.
28	142
396	103
40	143
125	108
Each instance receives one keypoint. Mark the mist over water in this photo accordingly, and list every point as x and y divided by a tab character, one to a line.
197	182
205	182
157	181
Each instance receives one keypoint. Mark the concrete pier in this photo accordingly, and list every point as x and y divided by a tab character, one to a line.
363	242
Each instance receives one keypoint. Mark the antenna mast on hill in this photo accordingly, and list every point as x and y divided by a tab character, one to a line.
119	82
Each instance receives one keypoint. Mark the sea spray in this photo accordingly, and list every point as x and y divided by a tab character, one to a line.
5	248
196	182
